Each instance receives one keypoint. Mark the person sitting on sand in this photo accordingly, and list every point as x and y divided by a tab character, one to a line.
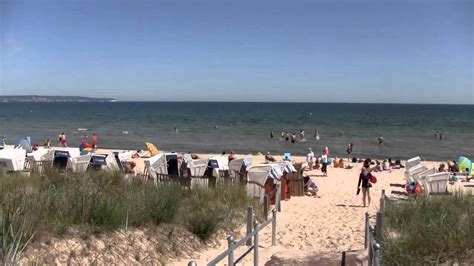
378	167
453	167
269	158
442	167
341	163
47	144
232	156
312	188
129	168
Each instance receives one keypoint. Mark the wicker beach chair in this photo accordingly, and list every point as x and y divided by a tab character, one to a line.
436	183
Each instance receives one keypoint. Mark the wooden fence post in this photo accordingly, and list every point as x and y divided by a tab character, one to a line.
274	217
265	207
230	257
378	226
249	224
255	244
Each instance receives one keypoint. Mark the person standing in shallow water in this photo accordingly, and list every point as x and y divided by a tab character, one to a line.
271	134
381	141
293	137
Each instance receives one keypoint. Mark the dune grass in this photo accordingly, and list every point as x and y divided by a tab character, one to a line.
429	231
102	201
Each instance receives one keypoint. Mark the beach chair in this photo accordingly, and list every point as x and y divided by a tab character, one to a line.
79	164
421	176
264	179
413	162
12	160
39	158
436	183
238	169
409	173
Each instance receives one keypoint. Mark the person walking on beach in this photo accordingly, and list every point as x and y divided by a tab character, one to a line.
287	136
436	134
364	180
60	139
324	161
302	135
271	134
310	158
441	135
175	130
282	135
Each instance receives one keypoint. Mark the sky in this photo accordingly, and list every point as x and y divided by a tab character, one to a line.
274	51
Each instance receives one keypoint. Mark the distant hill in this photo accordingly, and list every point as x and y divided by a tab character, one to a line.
48	99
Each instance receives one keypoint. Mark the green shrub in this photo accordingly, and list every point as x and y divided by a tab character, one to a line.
98	200
429	230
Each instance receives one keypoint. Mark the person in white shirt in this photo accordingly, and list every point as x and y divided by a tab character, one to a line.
324	161
310	158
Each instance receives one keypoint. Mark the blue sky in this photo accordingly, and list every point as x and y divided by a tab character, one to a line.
310	51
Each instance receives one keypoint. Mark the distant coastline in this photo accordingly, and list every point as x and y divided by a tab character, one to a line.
50	99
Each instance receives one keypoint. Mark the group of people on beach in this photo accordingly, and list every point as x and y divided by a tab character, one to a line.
438	135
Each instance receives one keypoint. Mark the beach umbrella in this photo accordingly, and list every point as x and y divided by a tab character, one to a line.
85	145
25	143
465	165
151	148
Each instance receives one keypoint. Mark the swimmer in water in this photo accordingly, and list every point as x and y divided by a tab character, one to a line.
381	141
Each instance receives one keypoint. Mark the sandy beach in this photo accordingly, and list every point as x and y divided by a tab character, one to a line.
332	223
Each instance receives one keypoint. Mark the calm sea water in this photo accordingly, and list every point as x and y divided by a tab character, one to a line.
408	130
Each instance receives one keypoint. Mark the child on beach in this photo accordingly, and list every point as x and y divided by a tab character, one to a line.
310	158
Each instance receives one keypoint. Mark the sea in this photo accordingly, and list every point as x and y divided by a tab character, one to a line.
213	127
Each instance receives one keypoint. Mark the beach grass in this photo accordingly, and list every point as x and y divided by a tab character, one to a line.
104	202
429	231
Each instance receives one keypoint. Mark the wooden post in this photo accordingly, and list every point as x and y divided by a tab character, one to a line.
274	217
366	236
255	244
230	257
378	227
343	259
382	201
249	224
265	207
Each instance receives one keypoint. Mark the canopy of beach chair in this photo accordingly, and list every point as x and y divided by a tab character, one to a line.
151	148
25	143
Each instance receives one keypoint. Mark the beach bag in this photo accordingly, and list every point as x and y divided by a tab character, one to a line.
373	179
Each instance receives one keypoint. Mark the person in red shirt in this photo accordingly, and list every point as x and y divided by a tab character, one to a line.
94	140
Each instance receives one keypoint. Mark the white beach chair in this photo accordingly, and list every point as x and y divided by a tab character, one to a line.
409	173
12	160
436	183
412	162
421	176
37	158
79	164
155	165
197	167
